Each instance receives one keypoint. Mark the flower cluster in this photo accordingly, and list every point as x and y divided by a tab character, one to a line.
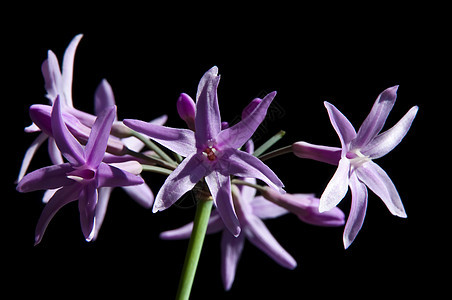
92	154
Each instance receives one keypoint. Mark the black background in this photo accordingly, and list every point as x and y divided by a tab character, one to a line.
344	55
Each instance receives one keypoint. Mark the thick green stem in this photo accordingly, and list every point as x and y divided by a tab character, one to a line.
202	216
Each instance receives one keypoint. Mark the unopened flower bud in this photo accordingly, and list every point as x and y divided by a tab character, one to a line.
186	109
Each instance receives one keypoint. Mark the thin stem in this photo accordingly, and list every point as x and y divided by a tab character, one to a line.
150	159
151	145
202	216
264	147
277	152
242	182
155	169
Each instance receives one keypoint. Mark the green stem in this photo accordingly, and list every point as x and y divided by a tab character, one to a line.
155	169
260	188
153	147
151	159
264	147
277	152
202	216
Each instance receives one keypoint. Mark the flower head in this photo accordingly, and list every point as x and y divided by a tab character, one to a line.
82	176
210	152
356	168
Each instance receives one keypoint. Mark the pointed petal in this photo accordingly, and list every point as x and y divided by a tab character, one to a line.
60	198
258	234
336	188
181	141
109	176
342	125
330	155
98	138
87	207
207	120
388	140
357	212
67	143
242	164
379	182
237	135
103	98
141	193
54	152
231	250
101	209
376	118
214	225
51	177
220	188
68	67
29	154
180	181
265	209
52	76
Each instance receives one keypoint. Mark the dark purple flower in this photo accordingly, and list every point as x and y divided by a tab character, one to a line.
82	176
210	152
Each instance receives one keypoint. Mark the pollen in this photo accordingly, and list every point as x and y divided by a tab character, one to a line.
210	153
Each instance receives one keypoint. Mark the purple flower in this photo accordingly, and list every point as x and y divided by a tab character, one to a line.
355	166
250	211
81	177
210	152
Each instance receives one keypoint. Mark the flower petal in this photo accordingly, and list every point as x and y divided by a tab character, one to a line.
110	176
181	141
336	188
60	198
342	125
29	154
98	138
330	155
237	135
377	117
231	250
242	164
101	209
379	182
52	76
258	234
220	189
141	193
388	140
87	207
265	209
207	120
68	66
357	212
180	181
46	178
103	97
67	143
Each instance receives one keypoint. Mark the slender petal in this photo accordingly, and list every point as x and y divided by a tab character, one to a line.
101	209
231	250
336	188
215	225
265	209
374	122
68	66
98	138
141	193
29	154
357	212
103	97
258	234
379	182
181	180
109	176
62	197
342	125
245	165
208	120
330	155
220	188
87	207
388	140
237	135
181	141
52	76
46	178
54	152
67	143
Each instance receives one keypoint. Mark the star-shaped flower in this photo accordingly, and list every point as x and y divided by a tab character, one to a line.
82	176
356	168
210	153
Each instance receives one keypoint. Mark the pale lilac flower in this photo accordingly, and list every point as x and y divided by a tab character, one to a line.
210	152
355	166
81	177
250	211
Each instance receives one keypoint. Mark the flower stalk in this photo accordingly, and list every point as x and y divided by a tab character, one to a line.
202	216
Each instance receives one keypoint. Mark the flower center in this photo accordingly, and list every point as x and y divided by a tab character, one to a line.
357	159
210	152
81	174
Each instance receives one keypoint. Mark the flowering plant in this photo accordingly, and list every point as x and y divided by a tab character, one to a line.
217	161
